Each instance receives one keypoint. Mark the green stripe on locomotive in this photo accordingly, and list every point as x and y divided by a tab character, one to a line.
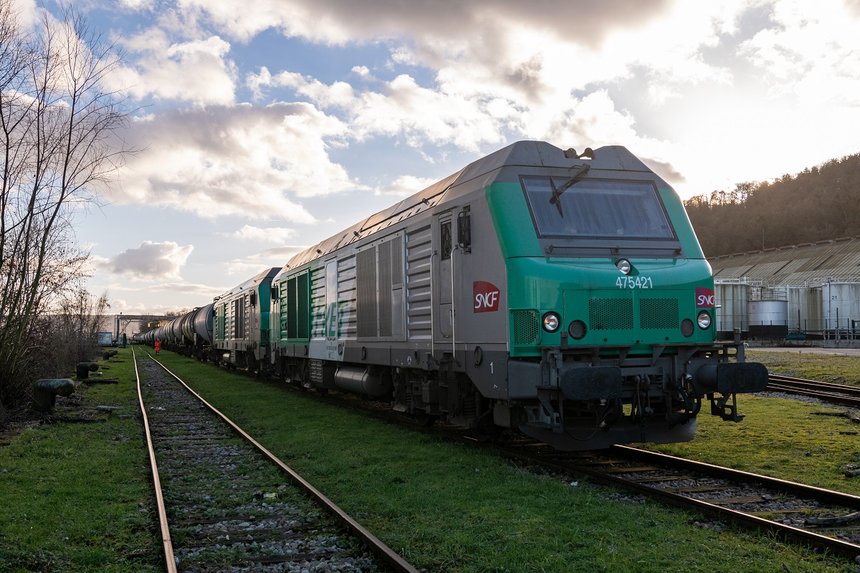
227	332
264	303
291	321
637	311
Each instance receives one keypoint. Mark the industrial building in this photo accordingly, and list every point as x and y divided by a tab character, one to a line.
809	291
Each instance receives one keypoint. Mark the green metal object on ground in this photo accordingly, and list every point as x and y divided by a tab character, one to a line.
46	390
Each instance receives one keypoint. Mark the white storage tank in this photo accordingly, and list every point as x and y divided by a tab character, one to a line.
804	310
840	308
731	298
768	318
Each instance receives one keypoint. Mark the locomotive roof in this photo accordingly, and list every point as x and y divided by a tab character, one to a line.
253	281
520	153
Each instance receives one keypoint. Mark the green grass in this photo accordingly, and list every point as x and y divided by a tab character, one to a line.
779	437
75	495
786	438
804	363
450	507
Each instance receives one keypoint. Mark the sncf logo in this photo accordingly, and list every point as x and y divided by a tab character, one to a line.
705	298
485	296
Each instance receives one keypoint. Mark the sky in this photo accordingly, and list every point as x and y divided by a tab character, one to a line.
261	127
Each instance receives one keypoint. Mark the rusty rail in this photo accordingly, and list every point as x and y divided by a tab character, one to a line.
170	561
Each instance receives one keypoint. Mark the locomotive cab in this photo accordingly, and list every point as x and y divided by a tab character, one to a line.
611	304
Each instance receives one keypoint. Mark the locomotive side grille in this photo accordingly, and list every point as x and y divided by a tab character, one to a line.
367	304
347	297
294	307
658	313
526	326
419	256
610	313
318	302
384	296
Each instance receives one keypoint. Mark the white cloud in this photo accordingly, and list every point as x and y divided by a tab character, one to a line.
341	21
402	108
266	234
162	298
810	54
195	71
151	260
256	262
138	5
406	185
233	160
25	12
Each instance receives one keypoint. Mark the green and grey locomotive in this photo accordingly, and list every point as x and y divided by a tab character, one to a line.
560	294
240	325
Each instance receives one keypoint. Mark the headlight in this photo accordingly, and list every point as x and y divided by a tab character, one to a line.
551	321
687	327
624	266
577	329
704	320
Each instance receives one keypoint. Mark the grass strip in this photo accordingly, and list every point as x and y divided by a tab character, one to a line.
806	363
75	492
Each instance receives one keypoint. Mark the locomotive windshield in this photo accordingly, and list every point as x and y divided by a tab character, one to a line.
597	209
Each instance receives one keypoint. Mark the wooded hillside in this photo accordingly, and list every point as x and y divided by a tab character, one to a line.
819	203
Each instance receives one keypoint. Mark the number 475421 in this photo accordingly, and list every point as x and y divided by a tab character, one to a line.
634	282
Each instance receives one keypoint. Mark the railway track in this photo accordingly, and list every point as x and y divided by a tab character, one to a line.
225	503
796	512
841	394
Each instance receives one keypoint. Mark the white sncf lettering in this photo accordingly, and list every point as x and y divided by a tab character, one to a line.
487	300
705	301
705	298
486	296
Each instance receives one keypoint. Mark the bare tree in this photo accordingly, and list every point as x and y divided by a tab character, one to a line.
58	127
68	334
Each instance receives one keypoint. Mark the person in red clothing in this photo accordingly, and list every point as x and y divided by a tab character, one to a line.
157	346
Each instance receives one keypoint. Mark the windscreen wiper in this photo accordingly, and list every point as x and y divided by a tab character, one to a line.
557	191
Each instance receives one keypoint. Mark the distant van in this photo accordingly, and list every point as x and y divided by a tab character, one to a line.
105	338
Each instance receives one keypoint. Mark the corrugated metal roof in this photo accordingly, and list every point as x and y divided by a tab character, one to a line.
734	272
806	264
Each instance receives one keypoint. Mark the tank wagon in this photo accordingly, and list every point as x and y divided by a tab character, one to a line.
196	332
561	294
189	333
241	323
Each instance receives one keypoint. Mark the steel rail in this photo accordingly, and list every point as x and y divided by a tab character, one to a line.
787	531
826	391
812	491
805	382
391	557
167	543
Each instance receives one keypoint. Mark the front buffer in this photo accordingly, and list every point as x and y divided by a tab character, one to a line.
594	398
